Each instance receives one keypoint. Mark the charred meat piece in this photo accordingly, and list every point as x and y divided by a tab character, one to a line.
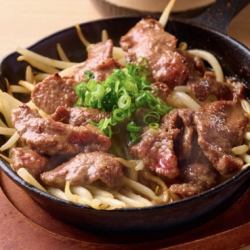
54	91
147	39
181	119
207	87
49	137
78	116
86	168
197	177
29	159
161	90
196	67
236	87
221	126
99	62
156	149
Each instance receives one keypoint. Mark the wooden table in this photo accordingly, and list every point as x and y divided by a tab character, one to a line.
24	22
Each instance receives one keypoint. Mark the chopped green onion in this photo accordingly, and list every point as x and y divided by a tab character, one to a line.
124	101
132	127
88	75
123	92
151	117
154	125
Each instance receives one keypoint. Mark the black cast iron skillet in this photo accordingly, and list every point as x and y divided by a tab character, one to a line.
205	32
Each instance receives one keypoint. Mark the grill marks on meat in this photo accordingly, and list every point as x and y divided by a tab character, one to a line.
29	159
78	116
99	61
221	125
147	39
54	91
86	168
49	137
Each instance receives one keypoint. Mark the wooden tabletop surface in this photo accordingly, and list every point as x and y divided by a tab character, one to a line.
24	22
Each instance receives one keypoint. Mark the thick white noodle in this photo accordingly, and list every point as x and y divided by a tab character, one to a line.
211	59
247	136
38	65
246	106
28	74
61	53
240	150
82	192
140	188
41	76
188	101
246	158
25	175
138	198
105	35
57	193
119	55
45	60
29	86
128	201
10	143
7	104
18	89
7	131
110	202
165	15
82	38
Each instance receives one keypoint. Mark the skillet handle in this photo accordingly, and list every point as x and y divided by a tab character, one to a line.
219	15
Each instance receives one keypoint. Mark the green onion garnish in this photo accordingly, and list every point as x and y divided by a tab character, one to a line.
122	93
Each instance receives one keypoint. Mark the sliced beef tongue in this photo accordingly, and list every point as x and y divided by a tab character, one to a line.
29	159
181	119
85	168
156	149
162	149
196	177
99	62
49	137
206	87
54	91
147	39
221	126
78	116
196	173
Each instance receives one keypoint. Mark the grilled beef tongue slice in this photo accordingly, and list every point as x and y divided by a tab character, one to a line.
78	116
221	125
197	177
99	62
148	39
86	168
29	159
50	137
54	91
